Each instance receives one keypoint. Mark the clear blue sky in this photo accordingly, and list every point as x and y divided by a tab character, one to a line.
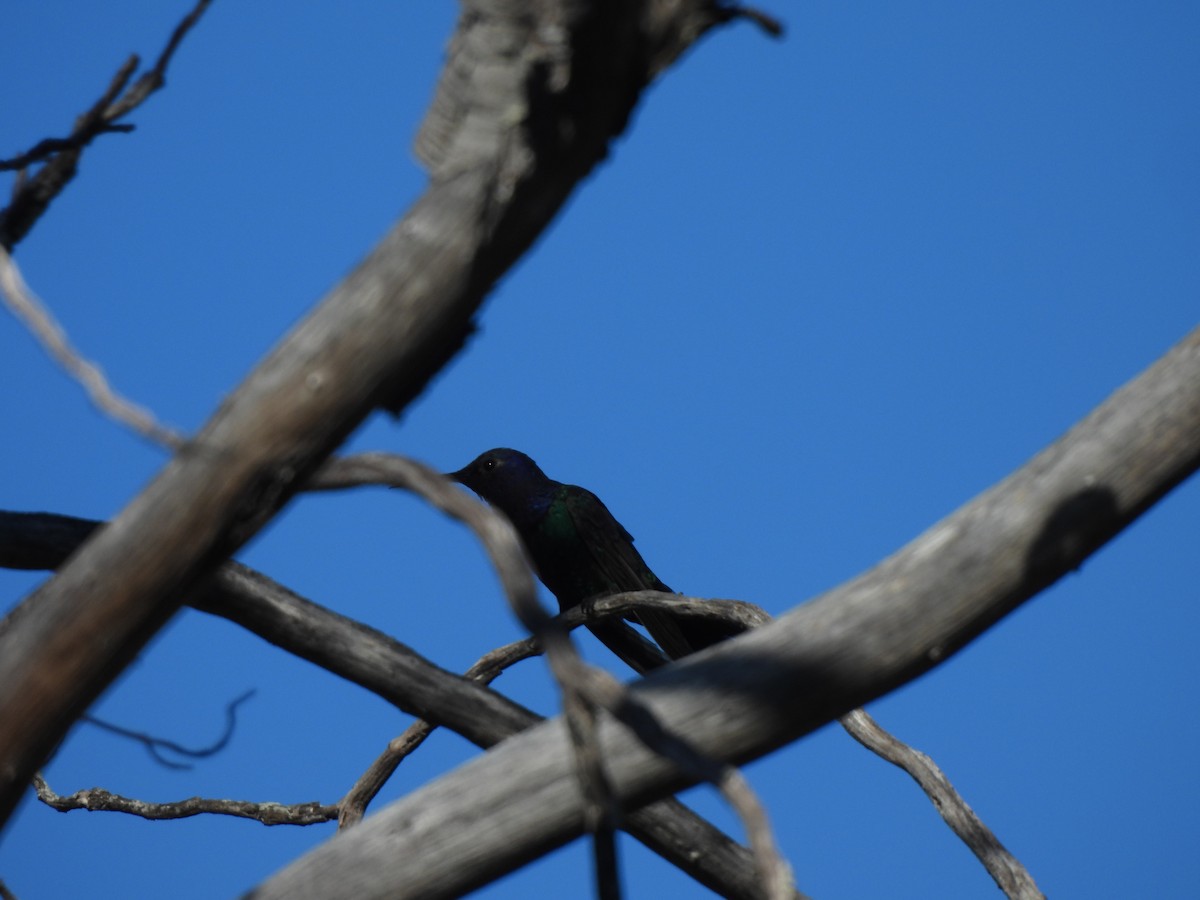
825	290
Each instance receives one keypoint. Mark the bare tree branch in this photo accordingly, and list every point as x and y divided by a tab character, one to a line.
157	747
1006	869
385	469
154	79
486	670
763	20
603	691
28	308
749	695
100	800
394	672
353	805
585	689
492	665
768	687
33	196
508	556
507	140
733	612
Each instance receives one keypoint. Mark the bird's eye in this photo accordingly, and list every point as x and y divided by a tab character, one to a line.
488	465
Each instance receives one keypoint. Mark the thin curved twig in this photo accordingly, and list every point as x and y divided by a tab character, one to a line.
1012	877
156	745
269	813
382	665
504	548
1007	871
487	669
375	341
32	196
601	691
36	315
584	687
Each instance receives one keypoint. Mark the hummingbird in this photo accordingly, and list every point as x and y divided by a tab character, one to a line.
580	551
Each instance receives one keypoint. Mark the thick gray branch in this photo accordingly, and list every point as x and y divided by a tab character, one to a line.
530	97
748	696
396	673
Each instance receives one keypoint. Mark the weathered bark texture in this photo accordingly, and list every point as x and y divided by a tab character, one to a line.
530	97
396	673
742	699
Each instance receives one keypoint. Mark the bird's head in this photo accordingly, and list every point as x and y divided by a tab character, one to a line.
507	479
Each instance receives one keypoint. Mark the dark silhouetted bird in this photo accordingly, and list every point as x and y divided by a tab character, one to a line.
580	551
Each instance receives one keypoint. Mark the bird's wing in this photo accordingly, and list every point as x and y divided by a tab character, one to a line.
610	545
614	555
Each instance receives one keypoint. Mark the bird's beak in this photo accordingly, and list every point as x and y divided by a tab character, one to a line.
456	476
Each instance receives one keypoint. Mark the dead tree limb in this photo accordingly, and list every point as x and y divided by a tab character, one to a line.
32	196
750	695
396	673
100	800
530	97
1006	870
